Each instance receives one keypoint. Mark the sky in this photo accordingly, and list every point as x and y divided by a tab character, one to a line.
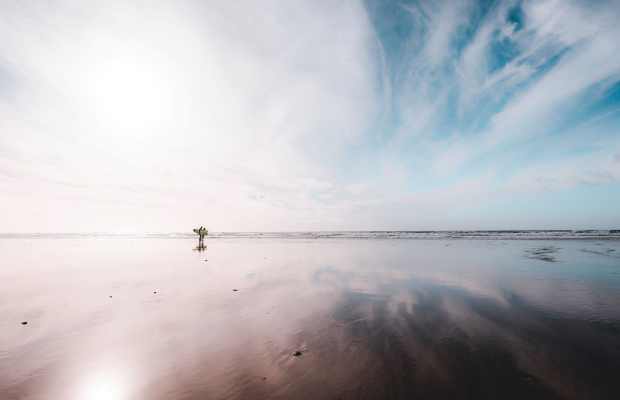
162	116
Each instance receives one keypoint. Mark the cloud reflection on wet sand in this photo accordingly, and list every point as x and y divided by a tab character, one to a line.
373	319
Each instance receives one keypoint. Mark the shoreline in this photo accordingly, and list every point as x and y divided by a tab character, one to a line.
316	238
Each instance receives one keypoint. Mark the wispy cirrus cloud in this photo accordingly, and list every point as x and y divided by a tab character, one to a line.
303	115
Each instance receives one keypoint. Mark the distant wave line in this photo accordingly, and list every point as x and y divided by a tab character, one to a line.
491	234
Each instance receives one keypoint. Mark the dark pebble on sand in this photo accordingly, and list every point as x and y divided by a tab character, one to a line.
155	292
264	378
24	323
297	353
234	290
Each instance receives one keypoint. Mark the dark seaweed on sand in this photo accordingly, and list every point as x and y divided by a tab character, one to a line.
604	253
543	253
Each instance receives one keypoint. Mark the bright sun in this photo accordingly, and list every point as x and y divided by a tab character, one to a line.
130	96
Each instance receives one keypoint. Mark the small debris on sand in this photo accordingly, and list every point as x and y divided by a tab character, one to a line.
110	296
264	378
234	290
24	323
297	353
155	292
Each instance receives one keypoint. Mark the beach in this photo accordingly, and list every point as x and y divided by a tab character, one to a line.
169	318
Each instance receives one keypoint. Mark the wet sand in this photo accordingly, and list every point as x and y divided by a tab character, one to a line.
152	319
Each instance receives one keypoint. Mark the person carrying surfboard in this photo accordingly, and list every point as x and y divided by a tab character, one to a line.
202	232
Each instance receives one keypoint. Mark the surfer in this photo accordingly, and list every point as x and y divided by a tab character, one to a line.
200	234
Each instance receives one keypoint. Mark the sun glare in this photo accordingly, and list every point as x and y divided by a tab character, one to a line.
103	388
130	96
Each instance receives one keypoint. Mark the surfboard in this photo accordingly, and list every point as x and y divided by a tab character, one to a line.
198	231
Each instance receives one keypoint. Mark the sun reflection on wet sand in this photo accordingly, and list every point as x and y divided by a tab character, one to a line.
102	388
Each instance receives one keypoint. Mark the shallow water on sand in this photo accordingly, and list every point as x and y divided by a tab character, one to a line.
139	318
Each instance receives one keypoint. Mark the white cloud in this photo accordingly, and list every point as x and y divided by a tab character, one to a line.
260	98
136	115
594	59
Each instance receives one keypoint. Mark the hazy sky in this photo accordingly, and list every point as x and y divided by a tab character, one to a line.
136	116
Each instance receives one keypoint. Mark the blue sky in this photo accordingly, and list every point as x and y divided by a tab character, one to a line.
303	115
